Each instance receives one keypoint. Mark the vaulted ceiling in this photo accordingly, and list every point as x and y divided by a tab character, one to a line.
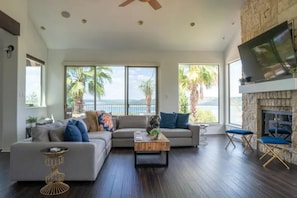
202	25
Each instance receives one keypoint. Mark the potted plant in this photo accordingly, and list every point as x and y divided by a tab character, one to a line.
154	133
242	81
293	71
31	121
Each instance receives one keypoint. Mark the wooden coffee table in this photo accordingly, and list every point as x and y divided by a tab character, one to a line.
143	144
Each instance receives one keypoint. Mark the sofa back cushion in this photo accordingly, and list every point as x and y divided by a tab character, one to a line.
40	133
130	121
57	134
168	120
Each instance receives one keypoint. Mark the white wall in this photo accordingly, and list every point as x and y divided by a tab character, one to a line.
13	91
167	62
8	90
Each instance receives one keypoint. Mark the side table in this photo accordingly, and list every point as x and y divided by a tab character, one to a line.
28	132
54	180
203	131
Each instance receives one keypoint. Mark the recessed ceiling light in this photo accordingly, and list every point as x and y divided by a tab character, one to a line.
140	22
84	21
65	14
42	27
192	24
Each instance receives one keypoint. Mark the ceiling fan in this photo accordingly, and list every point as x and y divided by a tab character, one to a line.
154	3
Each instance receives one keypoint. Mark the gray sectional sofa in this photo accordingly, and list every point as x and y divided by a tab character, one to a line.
125	126
84	160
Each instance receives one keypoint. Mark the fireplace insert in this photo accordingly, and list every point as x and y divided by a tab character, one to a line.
277	124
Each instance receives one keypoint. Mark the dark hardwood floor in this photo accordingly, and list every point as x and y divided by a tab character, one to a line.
207	171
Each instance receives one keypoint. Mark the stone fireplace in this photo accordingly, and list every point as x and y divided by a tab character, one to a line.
268	96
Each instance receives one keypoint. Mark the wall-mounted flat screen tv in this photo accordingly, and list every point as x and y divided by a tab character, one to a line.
270	55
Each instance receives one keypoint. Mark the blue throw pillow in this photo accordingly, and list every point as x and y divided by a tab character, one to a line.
83	131
72	133
182	120
168	120
81	127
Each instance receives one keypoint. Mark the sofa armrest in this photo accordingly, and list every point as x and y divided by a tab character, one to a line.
195	129
27	162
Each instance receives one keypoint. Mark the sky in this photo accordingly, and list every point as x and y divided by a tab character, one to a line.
116	89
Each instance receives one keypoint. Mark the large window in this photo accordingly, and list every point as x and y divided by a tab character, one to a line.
235	98
121	90
34	68
198	92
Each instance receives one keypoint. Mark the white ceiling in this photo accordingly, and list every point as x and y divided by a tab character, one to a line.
111	27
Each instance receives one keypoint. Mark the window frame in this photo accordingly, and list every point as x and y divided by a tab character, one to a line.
126	84
218	89
229	94
42	81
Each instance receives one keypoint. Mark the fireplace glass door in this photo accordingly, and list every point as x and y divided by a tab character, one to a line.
277	124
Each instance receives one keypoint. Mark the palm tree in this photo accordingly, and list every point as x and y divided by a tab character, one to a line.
147	88
183	99
81	79
194	78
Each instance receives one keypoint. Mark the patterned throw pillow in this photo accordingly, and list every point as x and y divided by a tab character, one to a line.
105	121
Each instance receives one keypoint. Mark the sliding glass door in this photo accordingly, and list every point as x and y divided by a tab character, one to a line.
141	90
120	90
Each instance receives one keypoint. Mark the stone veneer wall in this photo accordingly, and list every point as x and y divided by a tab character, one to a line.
258	16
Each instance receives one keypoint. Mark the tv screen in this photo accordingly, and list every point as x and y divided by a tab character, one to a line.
270	55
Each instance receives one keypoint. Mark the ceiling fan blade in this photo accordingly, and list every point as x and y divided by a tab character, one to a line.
125	3
155	4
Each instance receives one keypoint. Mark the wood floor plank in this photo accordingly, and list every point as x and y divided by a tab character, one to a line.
207	171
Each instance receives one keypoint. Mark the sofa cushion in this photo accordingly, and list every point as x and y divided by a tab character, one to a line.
72	134
126	133
105	121
168	120
176	133
182	120
57	134
104	135
40	133
130	121
92	121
